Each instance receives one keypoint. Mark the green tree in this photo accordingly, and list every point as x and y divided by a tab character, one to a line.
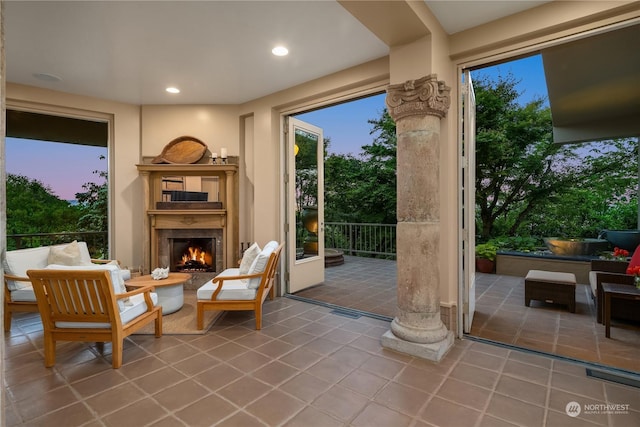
94	204
33	208
528	185
364	189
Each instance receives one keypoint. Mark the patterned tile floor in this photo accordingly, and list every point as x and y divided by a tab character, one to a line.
369	285
307	367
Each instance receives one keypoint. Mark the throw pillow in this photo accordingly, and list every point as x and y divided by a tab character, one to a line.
67	255
248	257
635	260
260	263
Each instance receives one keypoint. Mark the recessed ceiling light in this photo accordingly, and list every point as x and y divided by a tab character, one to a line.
173	90
46	77
280	51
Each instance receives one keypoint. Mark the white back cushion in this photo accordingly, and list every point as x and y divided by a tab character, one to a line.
260	263
17	263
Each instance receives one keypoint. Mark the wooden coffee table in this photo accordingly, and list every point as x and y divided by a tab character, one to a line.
170	290
616	291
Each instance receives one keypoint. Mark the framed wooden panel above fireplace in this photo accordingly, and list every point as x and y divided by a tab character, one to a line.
183	199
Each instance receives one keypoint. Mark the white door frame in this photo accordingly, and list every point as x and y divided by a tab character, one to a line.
466	197
307	268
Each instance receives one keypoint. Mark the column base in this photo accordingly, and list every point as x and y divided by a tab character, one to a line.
432	351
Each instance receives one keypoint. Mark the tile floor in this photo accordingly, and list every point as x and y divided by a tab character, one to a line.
502	316
307	367
365	284
369	285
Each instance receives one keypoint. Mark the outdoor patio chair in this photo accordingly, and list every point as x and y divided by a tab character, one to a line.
88	305
230	290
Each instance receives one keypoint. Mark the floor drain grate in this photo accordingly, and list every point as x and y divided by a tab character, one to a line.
620	378
344	313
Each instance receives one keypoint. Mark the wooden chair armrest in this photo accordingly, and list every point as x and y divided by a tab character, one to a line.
146	290
103	261
220	281
243	276
8	277
617	278
136	291
16	278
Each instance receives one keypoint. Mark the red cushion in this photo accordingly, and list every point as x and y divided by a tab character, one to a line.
635	259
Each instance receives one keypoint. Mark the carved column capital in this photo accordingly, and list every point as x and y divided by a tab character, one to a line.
421	97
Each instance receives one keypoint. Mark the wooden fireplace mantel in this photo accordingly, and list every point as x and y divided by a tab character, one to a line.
223	217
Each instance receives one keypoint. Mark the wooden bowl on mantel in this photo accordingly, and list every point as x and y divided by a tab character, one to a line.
182	150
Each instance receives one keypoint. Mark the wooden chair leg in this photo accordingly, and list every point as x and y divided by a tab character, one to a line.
49	350
258	317
7	318
200	324
158	322
116	353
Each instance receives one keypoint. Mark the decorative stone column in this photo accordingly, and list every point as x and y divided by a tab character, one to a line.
417	107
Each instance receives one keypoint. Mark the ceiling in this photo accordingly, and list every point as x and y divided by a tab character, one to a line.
215	52
594	86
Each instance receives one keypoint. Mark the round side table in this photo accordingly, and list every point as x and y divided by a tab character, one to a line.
170	291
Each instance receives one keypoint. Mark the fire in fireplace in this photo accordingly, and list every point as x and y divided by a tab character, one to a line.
193	254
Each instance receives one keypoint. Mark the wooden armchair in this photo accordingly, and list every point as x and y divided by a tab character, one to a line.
18	301
230	291
22	299
609	271
83	305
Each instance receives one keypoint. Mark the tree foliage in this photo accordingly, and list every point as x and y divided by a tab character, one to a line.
528	185
364	189
33	208
94	203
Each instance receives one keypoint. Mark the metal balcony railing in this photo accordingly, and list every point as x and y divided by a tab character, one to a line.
97	241
362	239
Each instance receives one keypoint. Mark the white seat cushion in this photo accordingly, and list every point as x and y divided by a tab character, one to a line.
135	308
23	295
231	290
593	282
551	276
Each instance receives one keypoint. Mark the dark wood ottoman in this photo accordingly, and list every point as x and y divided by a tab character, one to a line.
550	286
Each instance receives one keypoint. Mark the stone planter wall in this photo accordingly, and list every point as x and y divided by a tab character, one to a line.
517	265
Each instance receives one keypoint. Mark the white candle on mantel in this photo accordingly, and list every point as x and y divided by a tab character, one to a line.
223	153
214	155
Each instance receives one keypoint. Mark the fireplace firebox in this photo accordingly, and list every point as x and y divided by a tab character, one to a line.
195	250
192	255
